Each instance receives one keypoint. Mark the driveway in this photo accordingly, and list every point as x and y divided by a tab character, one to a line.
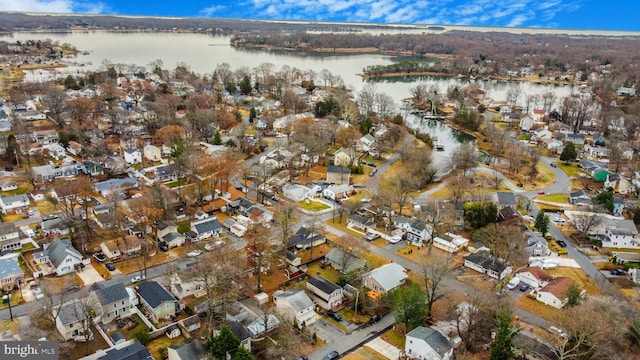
90	275
389	351
327	331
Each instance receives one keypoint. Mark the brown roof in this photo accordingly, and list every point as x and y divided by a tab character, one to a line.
558	286
537	272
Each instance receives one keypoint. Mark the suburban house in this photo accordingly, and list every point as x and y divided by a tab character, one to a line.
427	344
451	243
182	289
343	158
191	323
579	197
188	350
74	148
618	205
485	263
337	192
71	320
526	123
338	175
8	186
297	192
385	278
55	226
534	276
366	143
325	293
503	199
126	350
156	301
343	261
129	247
359	222
61	258
618	183
11	274
623	234
241	332
10	237
152	153
418	232
206	228
577	139
240	206
554	292
114	186
305	239
167	173
174	239
14	204
295	305
537	245
110	302
132	156
164	227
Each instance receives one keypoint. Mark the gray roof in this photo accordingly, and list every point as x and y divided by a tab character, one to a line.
206	225
9	267
239	330
389	276
437	341
112	293
71	312
130	150
134	351
116	184
55	223
298	299
117	336
486	261
190	350
336	256
323	284
15	198
626	226
506	198
303	237
58	250
154	294
172	236
338	169
7	228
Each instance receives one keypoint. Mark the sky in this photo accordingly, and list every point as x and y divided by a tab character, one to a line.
620	15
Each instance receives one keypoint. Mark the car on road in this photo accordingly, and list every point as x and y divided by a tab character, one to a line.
331	356
553	165
528	218
524	287
374	319
73	288
370	237
618	272
561	243
99	257
395	239
37	292
372	173
194	253
137	278
334	315
541	192
110	266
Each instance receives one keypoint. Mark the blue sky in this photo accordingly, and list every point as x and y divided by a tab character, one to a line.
565	14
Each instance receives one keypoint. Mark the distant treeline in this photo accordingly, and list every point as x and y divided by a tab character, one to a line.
403	67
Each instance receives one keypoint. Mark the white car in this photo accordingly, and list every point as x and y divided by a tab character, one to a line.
365	200
37	293
513	283
136	279
395	239
194	253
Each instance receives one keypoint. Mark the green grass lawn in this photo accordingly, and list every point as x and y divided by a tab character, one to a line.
313	205
557	198
570	169
175	184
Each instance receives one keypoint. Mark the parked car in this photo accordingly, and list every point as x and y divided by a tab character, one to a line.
334	315
374	319
194	253
110	266
553	165
331	356
524	287
618	272
370	237
558	331
137	278
99	257
164	247
302	357
561	243
395	239
37	292
73	288
540	192
8	168
513	283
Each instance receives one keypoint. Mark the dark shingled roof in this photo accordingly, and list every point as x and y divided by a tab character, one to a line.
154	294
323	284
110	294
437	341
135	351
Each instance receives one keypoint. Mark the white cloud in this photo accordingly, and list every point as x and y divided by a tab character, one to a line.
54	6
211	10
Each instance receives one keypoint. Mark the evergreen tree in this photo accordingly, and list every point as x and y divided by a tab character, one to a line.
569	153
242	354
605	199
574	295
217	140
252	115
408	305
245	85
502	348
222	344
542	223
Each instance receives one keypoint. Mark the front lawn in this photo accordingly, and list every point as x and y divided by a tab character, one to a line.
313	205
570	169
556	198
579	277
177	183
536	307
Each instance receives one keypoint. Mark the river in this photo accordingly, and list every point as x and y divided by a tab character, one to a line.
202	53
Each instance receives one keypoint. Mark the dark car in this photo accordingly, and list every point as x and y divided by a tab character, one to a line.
99	257
73	288
334	315
374	319
164	247
331	356
302	357
8	168
562	243
110	266
618	272
524	287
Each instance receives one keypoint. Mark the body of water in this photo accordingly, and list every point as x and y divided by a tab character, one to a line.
202	53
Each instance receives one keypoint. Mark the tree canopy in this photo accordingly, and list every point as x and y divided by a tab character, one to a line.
569	153
542	223
408	305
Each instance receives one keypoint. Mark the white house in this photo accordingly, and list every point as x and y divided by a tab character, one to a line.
337	192
618	183
10	237
343	157
425	343
623	234
61	258
110	302
132	156
450	242
526	123
8	186
554	292
483	262
327	294
156	301
385	278
72	319
366	143
14	204
152	153
206	228
295	305
534	276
